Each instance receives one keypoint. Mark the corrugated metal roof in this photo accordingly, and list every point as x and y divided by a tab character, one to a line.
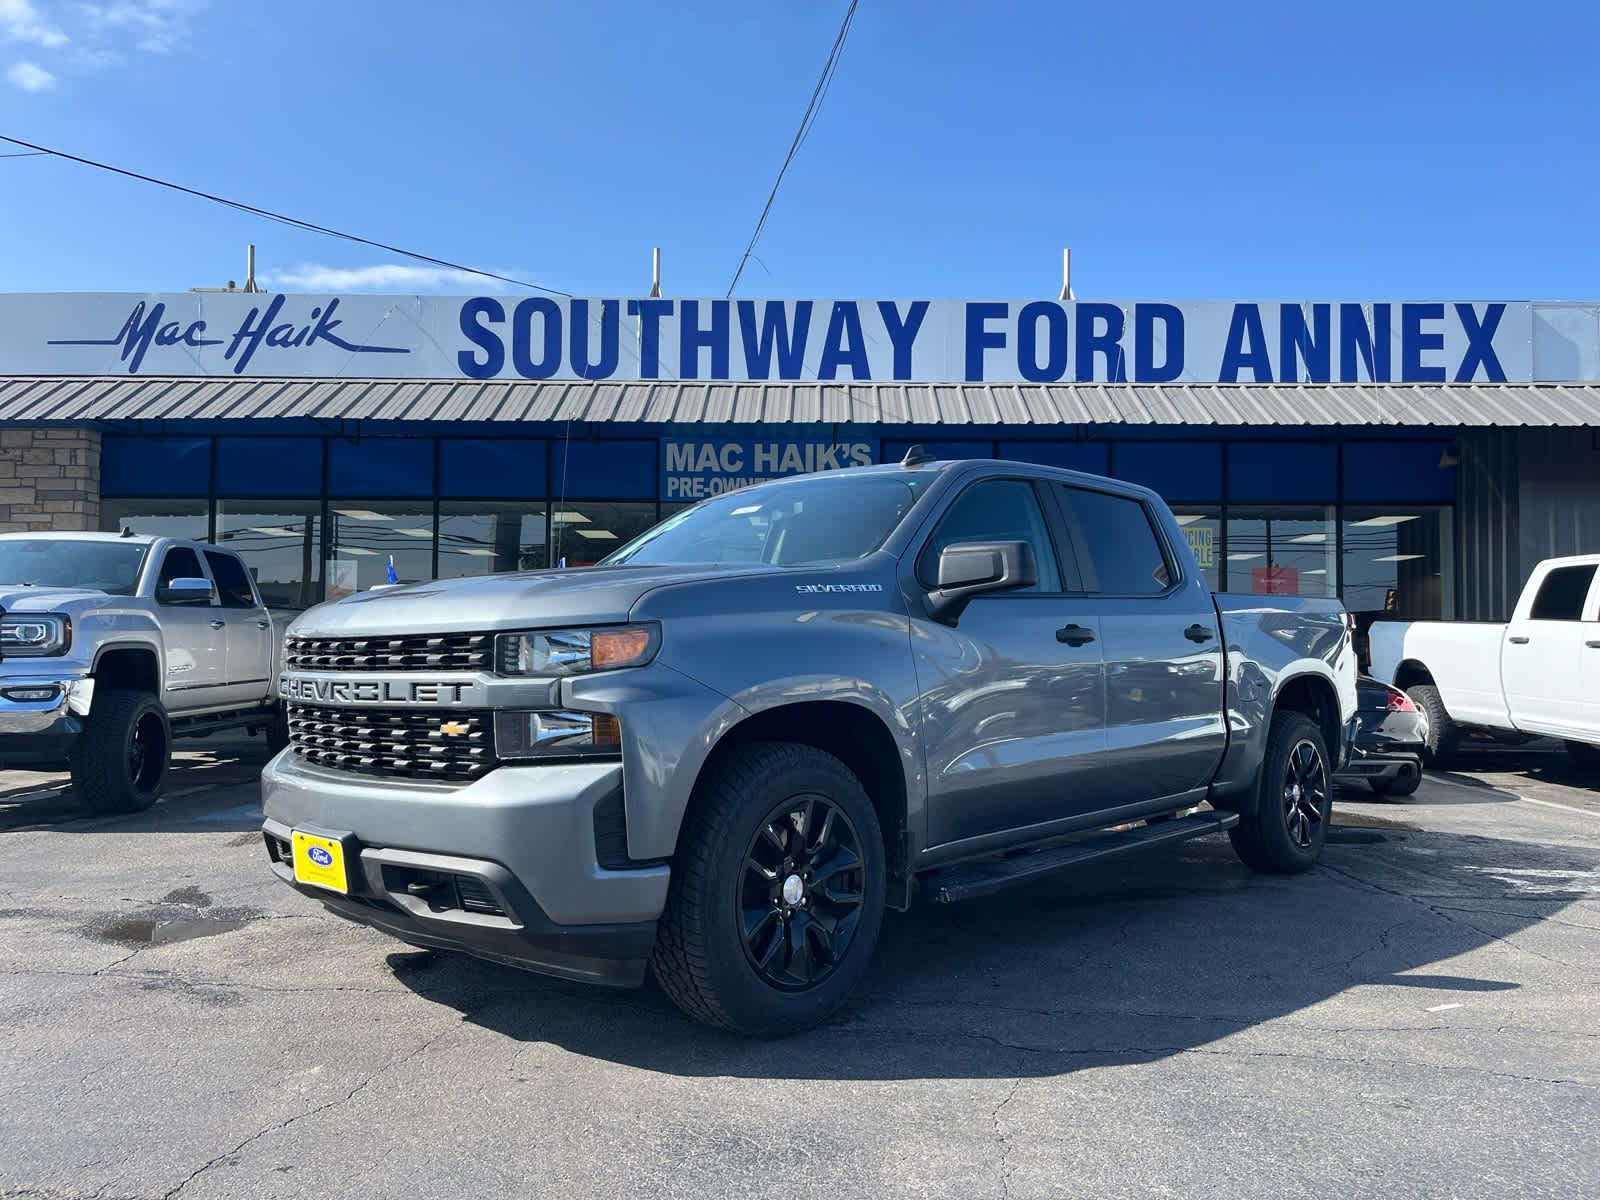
100	398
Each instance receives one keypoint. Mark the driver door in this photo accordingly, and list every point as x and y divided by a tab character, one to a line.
1013	695
194	635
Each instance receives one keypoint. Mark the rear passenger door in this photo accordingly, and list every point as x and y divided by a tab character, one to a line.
194	636
1159	634
248	629
1012	708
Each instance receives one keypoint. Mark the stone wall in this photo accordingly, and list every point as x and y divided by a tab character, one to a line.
49	479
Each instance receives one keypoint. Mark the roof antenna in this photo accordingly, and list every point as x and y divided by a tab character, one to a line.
916	456
127	531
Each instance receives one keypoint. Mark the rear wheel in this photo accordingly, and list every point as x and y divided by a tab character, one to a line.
121	758
777	892
1401	785
1444	735
1286	831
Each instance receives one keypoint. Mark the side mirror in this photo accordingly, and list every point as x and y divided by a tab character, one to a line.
186	591
969	569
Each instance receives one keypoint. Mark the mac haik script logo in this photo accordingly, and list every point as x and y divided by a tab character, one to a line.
145	328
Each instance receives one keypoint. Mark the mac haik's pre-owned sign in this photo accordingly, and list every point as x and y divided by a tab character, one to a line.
1025	341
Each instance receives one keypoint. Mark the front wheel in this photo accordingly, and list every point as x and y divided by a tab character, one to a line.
121	758
777	892
1285	832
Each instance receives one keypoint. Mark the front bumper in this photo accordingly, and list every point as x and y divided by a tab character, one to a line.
520	840
40	733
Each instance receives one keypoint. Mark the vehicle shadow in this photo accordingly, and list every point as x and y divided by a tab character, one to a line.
1540	761
1120	964
207	774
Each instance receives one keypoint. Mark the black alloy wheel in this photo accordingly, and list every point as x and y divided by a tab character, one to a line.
147	751
801	892
1305	793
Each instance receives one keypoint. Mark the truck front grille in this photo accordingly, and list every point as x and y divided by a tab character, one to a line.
451	745
407	652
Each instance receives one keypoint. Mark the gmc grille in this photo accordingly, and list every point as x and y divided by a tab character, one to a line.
408	652
402	742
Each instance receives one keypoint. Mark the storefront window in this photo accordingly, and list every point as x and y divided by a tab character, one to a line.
585	531
1203	529
366	534
1395	561
280	544
158	518
1282	551
478	538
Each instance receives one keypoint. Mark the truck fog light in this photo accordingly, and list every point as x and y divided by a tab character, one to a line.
555	734
30	695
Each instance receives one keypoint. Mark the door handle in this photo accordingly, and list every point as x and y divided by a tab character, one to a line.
1593	645
263	624
1199	633
1517	641
218	624
1074	635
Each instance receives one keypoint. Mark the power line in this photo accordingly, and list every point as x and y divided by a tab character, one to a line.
294	222
813	107
26	154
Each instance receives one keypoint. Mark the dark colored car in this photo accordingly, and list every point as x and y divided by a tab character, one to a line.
1386	736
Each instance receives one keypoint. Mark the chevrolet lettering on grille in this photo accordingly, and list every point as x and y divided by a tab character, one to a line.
374	691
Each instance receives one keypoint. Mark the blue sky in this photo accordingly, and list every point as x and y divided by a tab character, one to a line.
1369	149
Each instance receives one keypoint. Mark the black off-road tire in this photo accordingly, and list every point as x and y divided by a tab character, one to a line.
1444	735
1584	756
1280	836
278	730
1395	788
120	761
700	956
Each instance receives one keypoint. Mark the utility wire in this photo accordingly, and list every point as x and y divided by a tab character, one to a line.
813	107
26	154
294	222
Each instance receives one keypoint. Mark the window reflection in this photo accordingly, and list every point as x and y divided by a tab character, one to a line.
158	518
367	534
585	531
1282	551
279	543
1202	528
1395	561
478	538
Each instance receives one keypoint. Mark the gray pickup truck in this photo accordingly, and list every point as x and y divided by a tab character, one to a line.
722	752
113	644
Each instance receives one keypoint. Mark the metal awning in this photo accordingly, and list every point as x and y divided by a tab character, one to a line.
29	400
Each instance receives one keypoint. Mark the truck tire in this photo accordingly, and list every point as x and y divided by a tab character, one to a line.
1444	735
1285	831
1584	756
120	761
278	731
777	892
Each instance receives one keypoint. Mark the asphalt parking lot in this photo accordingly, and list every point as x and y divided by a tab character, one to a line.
1418	1017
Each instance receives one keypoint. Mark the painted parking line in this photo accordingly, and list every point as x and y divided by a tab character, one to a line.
1588	812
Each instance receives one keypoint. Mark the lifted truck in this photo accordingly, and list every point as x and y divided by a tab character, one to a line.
112	645
725	750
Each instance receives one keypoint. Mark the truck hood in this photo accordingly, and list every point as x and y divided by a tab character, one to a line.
518	600
15	598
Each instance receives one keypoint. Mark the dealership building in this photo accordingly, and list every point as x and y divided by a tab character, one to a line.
1413	458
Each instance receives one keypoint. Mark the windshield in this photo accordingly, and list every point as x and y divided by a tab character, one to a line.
820	519
103	566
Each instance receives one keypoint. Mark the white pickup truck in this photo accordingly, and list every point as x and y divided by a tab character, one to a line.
1537	675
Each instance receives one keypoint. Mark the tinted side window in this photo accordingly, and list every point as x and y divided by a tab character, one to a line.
180	563
1562	593
996	510
233	585
1125	558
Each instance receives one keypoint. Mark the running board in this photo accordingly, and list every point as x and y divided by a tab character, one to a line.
965	882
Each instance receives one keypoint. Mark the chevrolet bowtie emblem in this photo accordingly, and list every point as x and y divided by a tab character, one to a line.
453	728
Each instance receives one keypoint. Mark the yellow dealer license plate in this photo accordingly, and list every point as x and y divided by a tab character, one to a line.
319	861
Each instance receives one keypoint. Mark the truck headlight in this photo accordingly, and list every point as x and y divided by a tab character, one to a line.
575	651
31	637
555	733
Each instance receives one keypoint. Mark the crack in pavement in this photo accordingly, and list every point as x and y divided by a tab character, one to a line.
1000	1136
311	1112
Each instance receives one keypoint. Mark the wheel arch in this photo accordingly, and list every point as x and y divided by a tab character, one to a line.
855	735
132	666
1315	696
1410	673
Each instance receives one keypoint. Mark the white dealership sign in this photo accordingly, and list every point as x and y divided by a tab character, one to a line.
1026	341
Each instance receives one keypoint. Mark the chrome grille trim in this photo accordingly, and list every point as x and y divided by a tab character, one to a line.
406	743
401	652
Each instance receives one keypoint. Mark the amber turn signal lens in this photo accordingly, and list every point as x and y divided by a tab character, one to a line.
607	730
618	648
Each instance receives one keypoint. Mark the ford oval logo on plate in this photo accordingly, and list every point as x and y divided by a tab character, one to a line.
320	856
